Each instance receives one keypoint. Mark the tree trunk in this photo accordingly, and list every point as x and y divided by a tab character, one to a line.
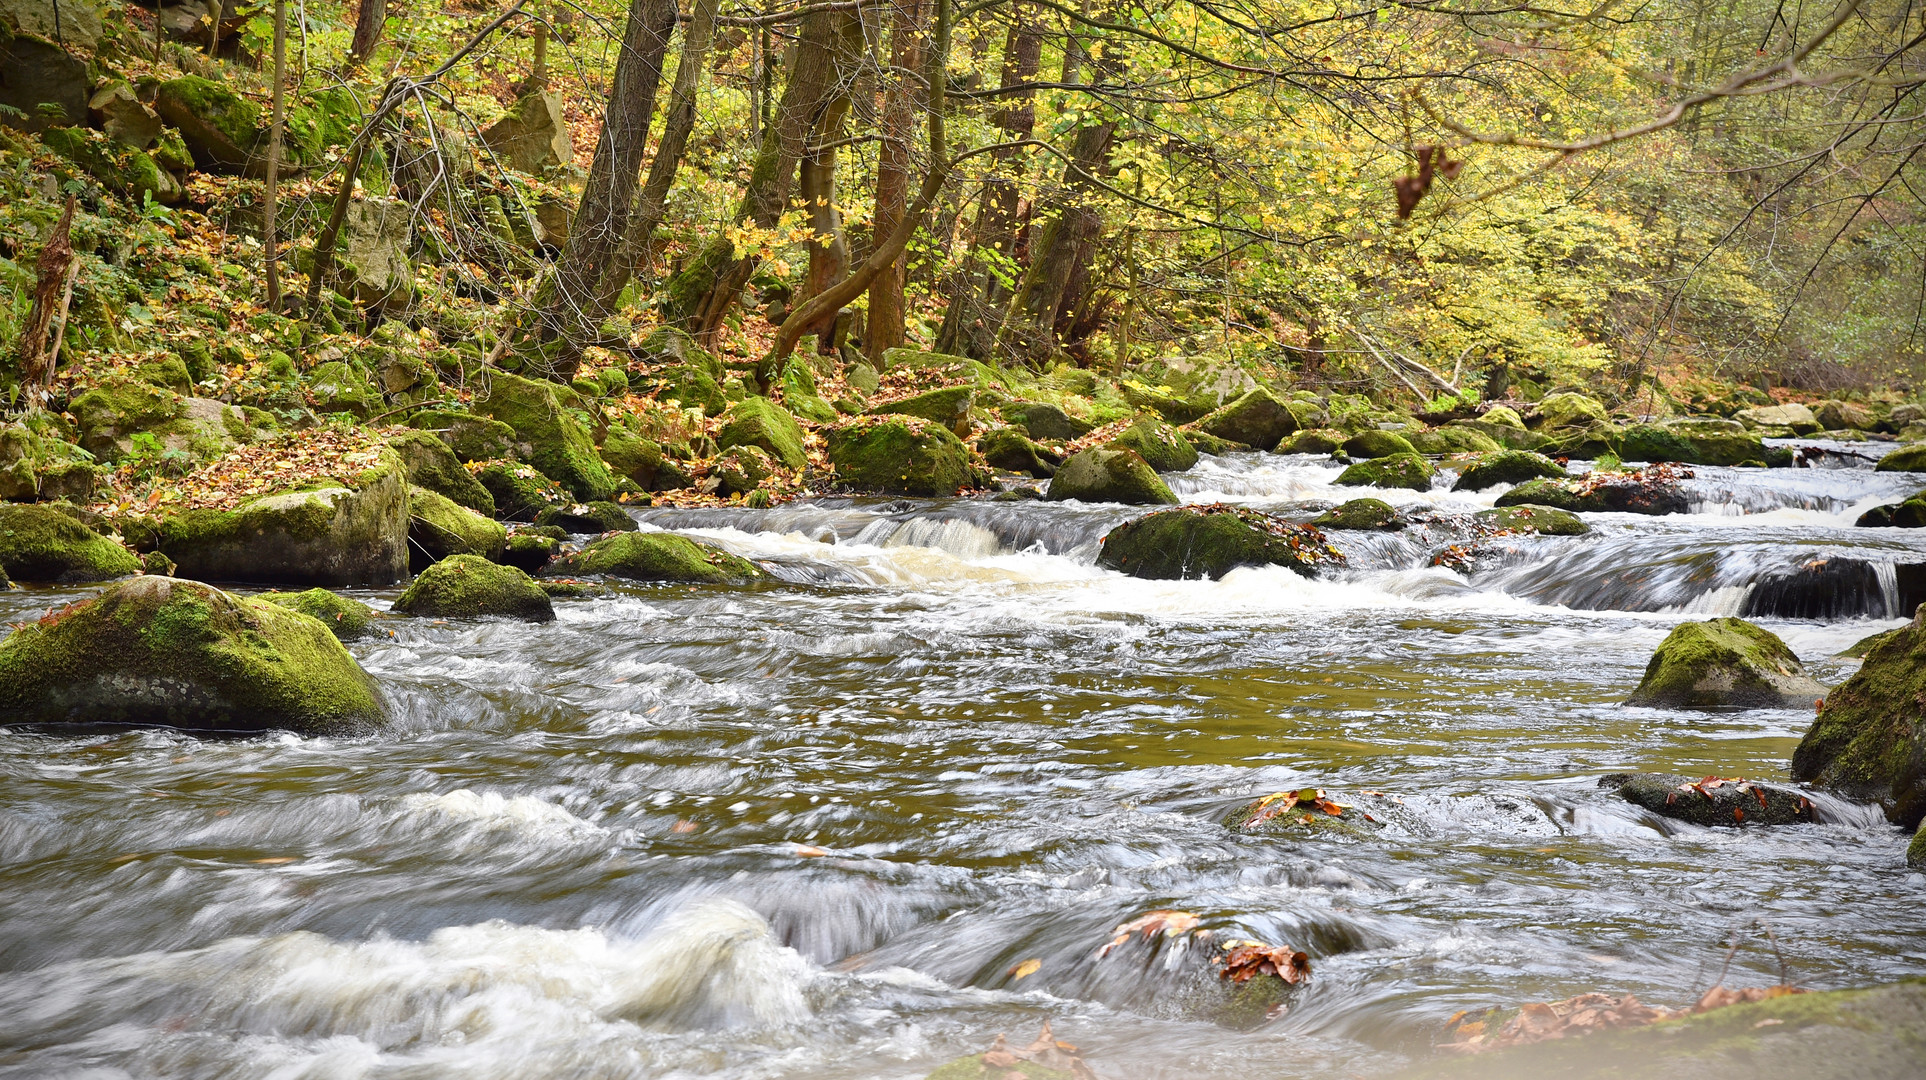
50	273
886	316
816	184
368	18
1029	327
270	227
569	313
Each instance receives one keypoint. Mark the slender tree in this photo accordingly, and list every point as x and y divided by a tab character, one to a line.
368	19
270	225
886	315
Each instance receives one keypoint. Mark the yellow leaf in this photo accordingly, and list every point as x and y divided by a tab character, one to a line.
1028	967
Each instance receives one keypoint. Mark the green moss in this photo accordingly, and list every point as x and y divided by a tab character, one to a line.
1258	419
1102	475
949	406
1165	402
1725	662
740	470
1007	448
1692	441
216	106
631	457
439	527
1313	441
1904	459
471	437
659	556
1162	447
41	544
336	387
597	517
1211	541
520	491
1397	471
432	465
1045	422
1858	649
552	440
1543	520
1453	439
529	551
1869	740
117	407
346	619
1506	467
1632	493
327	534
899	454
1361	514
758	421
1377	444
157	651
1502	415
1916	851
1571	411
469	586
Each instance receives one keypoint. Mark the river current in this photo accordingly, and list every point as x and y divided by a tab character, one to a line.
816	828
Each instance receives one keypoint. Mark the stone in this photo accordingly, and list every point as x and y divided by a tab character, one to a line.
596	518
533	136
439	527
1211	541
1837	415
1909	513
1869	739
373	253
109	415
134	173
1904	459
1165	402
1161	446
39	544
347	620
520	491
430	464
900	454
529	551
547	435
1506	467
1102	475
75	23
471	437
1362	514
124	117
1712	802
1502	416
353	534
659	556
337	387
1905	414
1725	663
35	466
36	72
1007	448
1377	444
1589	443
1397	471
1636	492
740	470
221	128
1313	441
631	457
1045	422
1798	418
1693	440
1452	439
948	406
760	422
470	587
1258	420
1540	520
1569	410
1507	435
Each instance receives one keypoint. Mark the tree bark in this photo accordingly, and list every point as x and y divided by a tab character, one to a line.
368	18
1029	326
886	307
270	231
50	273
816	183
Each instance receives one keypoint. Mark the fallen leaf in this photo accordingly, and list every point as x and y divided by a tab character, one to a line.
1025	969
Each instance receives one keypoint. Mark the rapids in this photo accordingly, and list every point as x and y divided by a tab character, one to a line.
809	829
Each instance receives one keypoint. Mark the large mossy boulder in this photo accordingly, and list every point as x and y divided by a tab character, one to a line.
471	437
548	436
346	619
595	518
338	387
1794	417
1508	432
901	454
1869	740
1009	449
1165	402
1540	520
1374	515
1408	471
1711	801
469	587
1452	439
353	533
1374	443
1693	441
1639	492
1162	446
161	652
631	457
1506	467
948	406
1045	422
41	544
1110	476
1258	419
520	491
1725	663
1563	411
760	422
659	556
439	527
1844	416
1905	459
1211	541
1313	441
111	414
430	464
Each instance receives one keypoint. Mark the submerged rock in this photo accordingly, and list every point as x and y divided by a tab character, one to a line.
162	652
354	534
41	544
1869	740
1211	541
1711	801
1543	520
1258	420
1654	491
1909	513
902	454
346	619
658	556
1407	471
595	517
1162	447
469	586
1301	812
1507	467
1725	663
1361	514
1102	475
438	528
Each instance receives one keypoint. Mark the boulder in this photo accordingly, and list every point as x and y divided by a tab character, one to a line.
69	22
1165	402
1562	411
134	173
116	110
1258	419
1397	471
1161	446
1726	663
1377	444
1102	475
1905	414
1904	459
901	454
1542	520
221	128
1712	801
346	619
659	556
533	136
597	518
38	72
1500	416
35	466
631	457
520	491
373	253
1596	441
1508	435
439	527
1452	439
1045	422
1837	415
1694	441
1211	541
1206	443
1909	513
529	551
1637	492
430	464
1797	418
1006	448
1506	467
1362	514
760	422
740	470
336	387
547	436
1869	740
471	437
1313	441
469	586
116	409
41	544
338	534
948	406
162	652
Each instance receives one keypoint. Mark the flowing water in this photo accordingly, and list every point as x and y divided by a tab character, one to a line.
811	829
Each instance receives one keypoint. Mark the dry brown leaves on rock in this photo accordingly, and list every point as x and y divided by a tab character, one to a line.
1168	923
288	461
1001	1059
1246	960
1272	806
1471	1032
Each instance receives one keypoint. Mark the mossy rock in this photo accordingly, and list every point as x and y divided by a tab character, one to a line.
1858	649
220	126
631	457
162	652
1916	851
329	535
1585	443
1162	447
900	454
547	436
471	437
1509	436
1712	803
1313	441
1725	663
346	619
1165	402
43	466
598	517
42	544
1542	520
1693	441
439	527
948	406
1258	420
1905	459
1453	439
1628	493
740	470
1910	514
529	551
1109	476
431	464
1211	541
760	422
1206	443
1794	418
1506	467
1377	444
520	491
1362	514
1045	422
692	387
1302	813
1397	471
1869	740
1007	448
659	556
1503	416
469	586
133	173
335	387
1561	411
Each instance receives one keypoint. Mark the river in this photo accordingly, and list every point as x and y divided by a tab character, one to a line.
812	828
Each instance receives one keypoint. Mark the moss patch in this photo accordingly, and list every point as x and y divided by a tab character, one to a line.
1543	520
1725	663
760	422
1869	741
469	586
347	619
1361	514
41	544
1258	419
658	556
596	517
1211	541
1162	447
906	455
1103	475
1506	467
548	437
1377	444
430	464
438	527
1397	471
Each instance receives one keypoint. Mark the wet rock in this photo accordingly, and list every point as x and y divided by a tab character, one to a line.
529	551
1407	471
1258	420
596	517
162	652
1313	441
1796	418
948	406
1693	441
1366	445
547	435
1909	514
1904	459
1162	447
336	535
1101	475
469	586
1008	449
520	491
1564	411
1361	514
658	556
1727	663
1301	812
346	619
1647	491
1506	467
1045	422
1542	520
760	422
1869	740
1211	541
1711	801
532	136
901	454
1905	414
1818	589
40	72
41	544
439	527
430	464
1206	443
1916	851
